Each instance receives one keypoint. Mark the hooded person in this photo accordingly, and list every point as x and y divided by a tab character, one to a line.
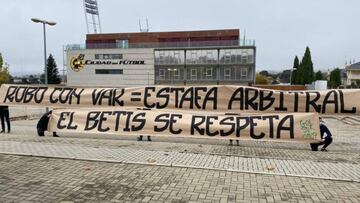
326	138
42	125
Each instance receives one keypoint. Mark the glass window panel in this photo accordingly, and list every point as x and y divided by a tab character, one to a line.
211	57
193	57
193	75
227	73
162	74
227	56
244	56
122	44
209	73
176	74
116	56
201	56
177	57
108	71
162	57
244	73
169	57
250	59
236	56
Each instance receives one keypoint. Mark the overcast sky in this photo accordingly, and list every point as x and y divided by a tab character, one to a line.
281	28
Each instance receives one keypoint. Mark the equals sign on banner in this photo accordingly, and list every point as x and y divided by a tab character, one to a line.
135	96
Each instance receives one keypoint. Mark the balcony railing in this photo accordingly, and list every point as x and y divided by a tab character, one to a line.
182	44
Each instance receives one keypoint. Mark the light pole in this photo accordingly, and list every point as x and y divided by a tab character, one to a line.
44	22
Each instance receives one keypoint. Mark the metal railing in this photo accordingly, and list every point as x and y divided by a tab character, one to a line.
181	44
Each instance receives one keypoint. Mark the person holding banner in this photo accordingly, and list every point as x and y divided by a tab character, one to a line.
326	138
4	116
231	142
42	125
140	138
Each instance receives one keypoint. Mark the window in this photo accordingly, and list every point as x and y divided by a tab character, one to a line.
227	73
176	74
165	57
250	59
201	56
122	44
108	56
162	74
193	75
108	71
161	57
209	73
244	56
116	56
177	57
244	73
227	56
209	57
193	56
98	56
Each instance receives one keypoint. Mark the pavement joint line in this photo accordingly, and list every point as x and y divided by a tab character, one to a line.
217	154
185	166
322	178
261	157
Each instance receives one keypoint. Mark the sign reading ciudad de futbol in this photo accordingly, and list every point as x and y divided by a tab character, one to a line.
78	63
220	98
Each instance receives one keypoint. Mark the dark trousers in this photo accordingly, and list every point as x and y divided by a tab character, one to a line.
4	116
326	142
41	132
141	137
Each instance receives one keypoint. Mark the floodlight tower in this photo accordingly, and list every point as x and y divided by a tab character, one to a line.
146	29
92	16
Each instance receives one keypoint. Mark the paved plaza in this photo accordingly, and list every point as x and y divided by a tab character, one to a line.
113	168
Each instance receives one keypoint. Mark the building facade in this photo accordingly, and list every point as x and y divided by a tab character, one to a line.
110	67
352	73
162	58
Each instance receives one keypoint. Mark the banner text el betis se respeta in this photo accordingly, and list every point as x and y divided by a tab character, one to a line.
224	98
281	127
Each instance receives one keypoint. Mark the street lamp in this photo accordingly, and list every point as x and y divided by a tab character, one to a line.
44	22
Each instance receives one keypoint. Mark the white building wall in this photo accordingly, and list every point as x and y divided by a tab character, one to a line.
133	75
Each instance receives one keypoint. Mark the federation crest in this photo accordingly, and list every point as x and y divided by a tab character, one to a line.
77	63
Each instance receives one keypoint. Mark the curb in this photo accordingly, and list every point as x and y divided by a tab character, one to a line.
183	166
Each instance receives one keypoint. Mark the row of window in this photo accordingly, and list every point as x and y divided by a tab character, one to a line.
199	73
203	73
123	44
109	71
210	56
108	56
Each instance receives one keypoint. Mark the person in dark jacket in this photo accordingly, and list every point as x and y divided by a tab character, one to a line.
326	138
4	116
42	125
